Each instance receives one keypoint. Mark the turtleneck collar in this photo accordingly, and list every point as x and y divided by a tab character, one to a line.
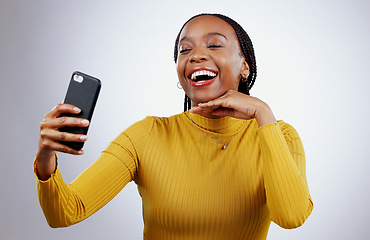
222	126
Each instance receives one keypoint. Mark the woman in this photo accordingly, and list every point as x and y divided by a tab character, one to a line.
222	170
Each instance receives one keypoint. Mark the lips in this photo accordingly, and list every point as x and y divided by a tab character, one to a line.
200	77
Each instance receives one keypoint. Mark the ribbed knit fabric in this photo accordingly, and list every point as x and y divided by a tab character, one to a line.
190	188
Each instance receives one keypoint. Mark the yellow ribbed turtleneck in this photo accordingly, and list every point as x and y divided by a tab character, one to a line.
190	187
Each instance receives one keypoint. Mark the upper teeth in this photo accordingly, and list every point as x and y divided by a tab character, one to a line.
203	72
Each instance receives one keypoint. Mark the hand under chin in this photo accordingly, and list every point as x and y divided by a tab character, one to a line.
205	112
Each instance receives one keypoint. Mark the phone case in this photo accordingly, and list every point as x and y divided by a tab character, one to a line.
83	92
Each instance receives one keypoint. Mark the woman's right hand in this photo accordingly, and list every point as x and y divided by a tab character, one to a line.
50	137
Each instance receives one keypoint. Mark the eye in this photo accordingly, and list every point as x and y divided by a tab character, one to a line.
215	46
184	49
215	42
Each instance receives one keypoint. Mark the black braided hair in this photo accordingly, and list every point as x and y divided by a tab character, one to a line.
246	48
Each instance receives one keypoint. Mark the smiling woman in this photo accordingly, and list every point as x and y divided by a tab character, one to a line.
222	170
208	44
245	48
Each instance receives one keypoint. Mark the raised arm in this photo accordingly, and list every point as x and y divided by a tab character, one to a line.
66	204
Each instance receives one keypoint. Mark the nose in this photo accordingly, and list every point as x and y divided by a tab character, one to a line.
198	55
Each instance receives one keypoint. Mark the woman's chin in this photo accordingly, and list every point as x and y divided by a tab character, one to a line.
195	101
203	97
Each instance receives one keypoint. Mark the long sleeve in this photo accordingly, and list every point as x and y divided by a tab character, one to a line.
287	194
66	204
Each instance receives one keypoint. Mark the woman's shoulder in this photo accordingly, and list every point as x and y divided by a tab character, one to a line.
284	126
287	129
154	122
165	120
290	134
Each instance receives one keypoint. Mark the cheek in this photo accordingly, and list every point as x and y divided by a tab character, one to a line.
180	69
231	67
231	73
236	66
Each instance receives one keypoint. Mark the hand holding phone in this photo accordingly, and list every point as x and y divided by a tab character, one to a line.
83	92
81	95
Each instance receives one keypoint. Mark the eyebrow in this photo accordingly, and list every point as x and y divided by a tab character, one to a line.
216	34
205	35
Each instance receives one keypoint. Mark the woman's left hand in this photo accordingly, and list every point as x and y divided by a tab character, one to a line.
237	105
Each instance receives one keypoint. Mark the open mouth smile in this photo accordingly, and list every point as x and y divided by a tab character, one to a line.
202	77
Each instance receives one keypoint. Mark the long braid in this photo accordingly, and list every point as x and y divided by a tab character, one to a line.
246	48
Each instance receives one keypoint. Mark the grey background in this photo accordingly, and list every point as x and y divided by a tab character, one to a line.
313	70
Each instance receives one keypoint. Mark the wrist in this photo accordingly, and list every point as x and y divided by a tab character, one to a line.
45	164
44	155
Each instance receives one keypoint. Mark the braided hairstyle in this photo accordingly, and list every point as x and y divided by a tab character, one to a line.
246	47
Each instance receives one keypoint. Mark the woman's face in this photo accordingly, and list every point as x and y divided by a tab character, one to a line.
209	62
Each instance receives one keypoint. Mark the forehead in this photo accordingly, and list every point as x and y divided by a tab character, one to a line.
202	25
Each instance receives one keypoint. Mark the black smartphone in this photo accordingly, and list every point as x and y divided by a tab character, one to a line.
82	92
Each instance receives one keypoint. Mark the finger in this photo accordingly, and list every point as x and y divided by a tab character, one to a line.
199	110
222	101
222	112
61	122
50	144
55	135
208	107
62	108
65	149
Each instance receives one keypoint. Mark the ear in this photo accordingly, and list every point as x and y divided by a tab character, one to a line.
244	70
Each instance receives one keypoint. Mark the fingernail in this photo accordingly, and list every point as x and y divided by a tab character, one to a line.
83	138
80	152
84	122
76	109
193	109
